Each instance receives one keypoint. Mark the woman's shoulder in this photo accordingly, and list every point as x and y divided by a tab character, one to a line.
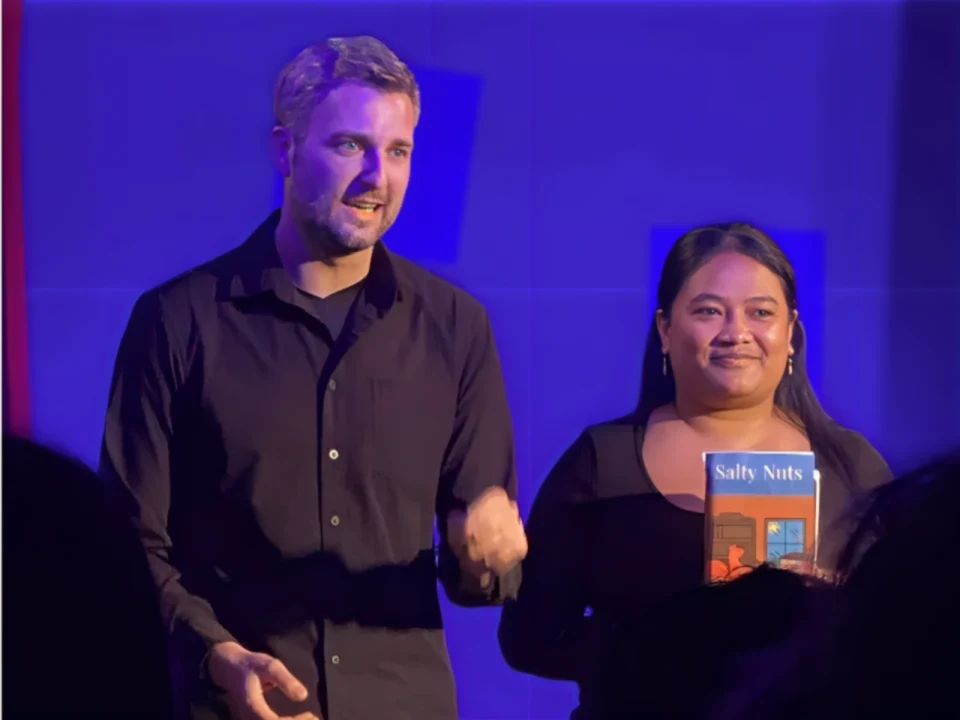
865	460
613	436
624	426
614	449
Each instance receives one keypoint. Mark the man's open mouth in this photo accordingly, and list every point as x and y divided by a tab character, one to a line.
363	207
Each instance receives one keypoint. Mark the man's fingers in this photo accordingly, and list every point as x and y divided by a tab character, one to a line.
523	546
276	673
494	533
504	562
508	550
253	699
476	550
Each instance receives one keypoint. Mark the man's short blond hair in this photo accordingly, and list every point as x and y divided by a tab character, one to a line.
317	69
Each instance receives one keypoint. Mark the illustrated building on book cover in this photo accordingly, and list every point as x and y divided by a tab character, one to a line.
761	507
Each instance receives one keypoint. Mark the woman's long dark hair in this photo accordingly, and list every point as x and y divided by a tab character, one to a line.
794	396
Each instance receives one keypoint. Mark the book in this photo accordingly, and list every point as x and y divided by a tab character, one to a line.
761	507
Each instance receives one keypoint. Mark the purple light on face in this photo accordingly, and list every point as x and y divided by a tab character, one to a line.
429	224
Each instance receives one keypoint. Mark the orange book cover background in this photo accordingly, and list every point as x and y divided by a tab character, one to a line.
761	508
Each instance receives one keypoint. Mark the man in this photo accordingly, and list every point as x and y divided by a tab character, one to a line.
286	421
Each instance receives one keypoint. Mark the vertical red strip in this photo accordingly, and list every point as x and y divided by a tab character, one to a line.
16	391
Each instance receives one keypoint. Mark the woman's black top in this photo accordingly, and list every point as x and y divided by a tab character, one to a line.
608	552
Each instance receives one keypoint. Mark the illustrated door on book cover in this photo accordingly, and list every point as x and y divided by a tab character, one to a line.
738	531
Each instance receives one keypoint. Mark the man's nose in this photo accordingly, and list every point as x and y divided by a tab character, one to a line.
373	171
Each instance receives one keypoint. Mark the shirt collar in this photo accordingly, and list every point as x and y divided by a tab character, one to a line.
260	271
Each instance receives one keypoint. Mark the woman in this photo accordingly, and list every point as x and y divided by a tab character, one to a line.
617	527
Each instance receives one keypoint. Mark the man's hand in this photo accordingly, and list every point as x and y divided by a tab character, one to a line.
488	537
246	676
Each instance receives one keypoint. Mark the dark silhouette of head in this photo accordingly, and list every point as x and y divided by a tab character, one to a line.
901	595
673	661
81	628
884	647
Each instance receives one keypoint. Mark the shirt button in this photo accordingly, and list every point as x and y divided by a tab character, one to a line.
335	520
332	385
334	454
335	659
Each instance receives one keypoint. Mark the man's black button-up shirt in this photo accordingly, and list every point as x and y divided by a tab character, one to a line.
285	477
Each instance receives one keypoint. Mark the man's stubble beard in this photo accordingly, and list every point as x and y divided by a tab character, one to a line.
323	239
354	239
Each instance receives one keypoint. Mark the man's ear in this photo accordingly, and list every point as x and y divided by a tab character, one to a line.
281	149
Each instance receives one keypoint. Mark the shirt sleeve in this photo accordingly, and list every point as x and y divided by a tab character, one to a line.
480	455
135	463
546	632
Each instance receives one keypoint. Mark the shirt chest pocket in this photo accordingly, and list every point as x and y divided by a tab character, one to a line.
411	421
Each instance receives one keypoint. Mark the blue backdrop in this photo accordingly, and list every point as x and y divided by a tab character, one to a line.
562	147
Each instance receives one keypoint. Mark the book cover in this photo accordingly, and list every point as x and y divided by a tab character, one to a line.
761	507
